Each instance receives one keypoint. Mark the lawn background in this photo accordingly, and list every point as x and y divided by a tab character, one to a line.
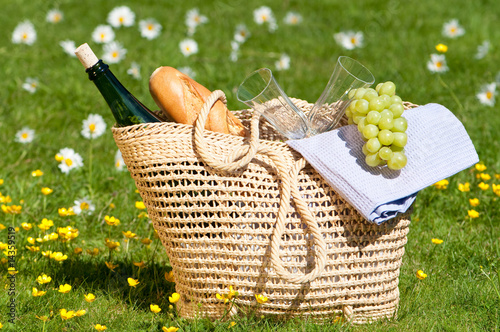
399	37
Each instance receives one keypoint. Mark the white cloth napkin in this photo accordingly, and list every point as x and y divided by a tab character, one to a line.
438	147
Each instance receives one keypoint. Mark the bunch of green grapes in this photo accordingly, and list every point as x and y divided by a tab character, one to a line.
378	114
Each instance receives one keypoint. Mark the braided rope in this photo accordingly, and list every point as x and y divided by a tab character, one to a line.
242	156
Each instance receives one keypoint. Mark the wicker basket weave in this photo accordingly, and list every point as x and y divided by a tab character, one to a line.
252	214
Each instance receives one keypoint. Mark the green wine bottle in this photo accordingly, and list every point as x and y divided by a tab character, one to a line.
126	109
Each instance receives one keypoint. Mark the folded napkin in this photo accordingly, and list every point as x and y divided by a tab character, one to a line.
438	147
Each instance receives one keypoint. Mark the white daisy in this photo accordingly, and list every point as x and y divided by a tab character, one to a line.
149	28
119	163
188	47
134	70
437	63
113	52
69	47
482	50
292	18
93	126
349	39
103	34
30	84
241	34
83	206
487	94
235	51
263	15
283	63
68	160
187	71
194	19
24	33
25	135
452	29
54	16
121	16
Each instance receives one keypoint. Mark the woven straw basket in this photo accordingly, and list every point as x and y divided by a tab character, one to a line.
250	213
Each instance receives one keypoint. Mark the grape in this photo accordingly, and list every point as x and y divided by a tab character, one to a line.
361	106
387	114
397	110
370	94
377	104
385	123
373	145
361	124
387	88
378	115
385	153
359	93
400	125
399	139
386	137
350	121
351	93
373	117
397	161
396	99
370	131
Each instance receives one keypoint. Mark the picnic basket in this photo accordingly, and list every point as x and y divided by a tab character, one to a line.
251	215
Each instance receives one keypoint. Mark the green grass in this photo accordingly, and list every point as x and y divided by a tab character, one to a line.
461	290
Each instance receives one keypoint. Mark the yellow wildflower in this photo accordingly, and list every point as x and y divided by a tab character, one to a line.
12	271
47	253
154	308
233	323
473	214
474	201
496	189
26	226
33	248
65	315
227	297
42	318
421	275
112	245
52	236
463	187
497	176
47	191
169	329
35	292
111	266
77	250
5	199
59	158
3	246
485	176
2	226
443	184
480	167
129	234
140	265
169	276
59	257
483	186
441	48
93	252
43	279
80	313
36	173
63	212
132	282
67	233
100	327
140	205
174	298
261	298
112	221
45	224
143	215
112	205
89	297
146	241
437	241
64	288
12	209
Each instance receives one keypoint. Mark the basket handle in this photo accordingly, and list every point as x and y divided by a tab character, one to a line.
242	156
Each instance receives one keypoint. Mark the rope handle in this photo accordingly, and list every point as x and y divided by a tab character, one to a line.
242	156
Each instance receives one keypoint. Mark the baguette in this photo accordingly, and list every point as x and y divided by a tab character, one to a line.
180	99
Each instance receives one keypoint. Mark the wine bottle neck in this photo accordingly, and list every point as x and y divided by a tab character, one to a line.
97	70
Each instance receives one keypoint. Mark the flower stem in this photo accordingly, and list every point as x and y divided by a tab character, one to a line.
453	95
90	168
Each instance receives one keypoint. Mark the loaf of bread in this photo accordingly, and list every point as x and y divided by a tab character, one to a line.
180	99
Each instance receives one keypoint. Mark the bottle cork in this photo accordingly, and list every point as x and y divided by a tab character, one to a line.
86	56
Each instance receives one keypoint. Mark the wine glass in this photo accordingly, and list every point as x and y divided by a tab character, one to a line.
262	93
327	111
